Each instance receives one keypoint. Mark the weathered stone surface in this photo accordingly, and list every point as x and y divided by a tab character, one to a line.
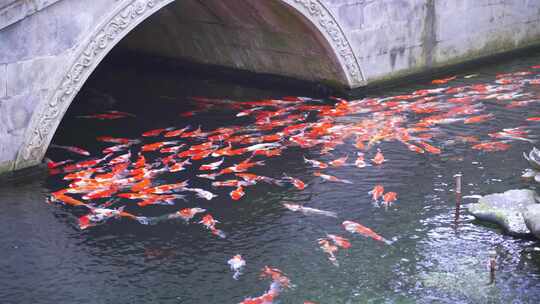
3	80
505	209
532	219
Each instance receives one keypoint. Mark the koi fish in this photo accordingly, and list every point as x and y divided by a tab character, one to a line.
174	149
157	145
237	263
103	116
339	162
339	241
277	276
315	163
308	210
208	176
187	213
101	215
330	250
116	148
298	184
166	199
331	178
65	199
354	227
75	150
210	223
211	166
478	119
241	167
533	119
379	158
155	132
52	165
389	198
207	195
431	149
115	140
414	148
179	166
162	189
492	146
360	162
267	298
238	193
175	133
377	192
443	80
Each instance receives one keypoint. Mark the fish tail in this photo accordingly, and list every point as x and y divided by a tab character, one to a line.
143	220
236	275
218	233
329	213
387	242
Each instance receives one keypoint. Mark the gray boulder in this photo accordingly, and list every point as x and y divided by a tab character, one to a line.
532	219
506	209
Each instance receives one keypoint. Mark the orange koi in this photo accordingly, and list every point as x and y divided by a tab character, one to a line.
443	80
155	132
157	145
379	158
298	184
377	192
276	275
166	188
238	193
175	133
101	193
430	148
210	223
354	227
140	186
187	213
330	250
478	119
167	199
339	162
389	198
315	163
339	241
179	166
211	166
492	146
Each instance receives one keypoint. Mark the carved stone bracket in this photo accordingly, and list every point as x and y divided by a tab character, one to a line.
127	15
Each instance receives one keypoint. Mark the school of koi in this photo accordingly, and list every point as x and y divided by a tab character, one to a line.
129	174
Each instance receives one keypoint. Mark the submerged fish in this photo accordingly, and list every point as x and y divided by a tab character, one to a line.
237	263
354	227
308	210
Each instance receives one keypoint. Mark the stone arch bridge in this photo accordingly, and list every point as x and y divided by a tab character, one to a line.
48	48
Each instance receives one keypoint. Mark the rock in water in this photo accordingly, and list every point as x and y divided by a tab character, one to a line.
532	219
506	209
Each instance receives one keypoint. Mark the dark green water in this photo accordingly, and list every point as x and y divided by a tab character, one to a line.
46	258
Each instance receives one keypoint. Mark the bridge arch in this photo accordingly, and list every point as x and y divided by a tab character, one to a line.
125	17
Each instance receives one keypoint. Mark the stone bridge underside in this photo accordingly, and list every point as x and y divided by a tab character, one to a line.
48	48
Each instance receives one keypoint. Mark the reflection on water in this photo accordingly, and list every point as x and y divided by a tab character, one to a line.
46	258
